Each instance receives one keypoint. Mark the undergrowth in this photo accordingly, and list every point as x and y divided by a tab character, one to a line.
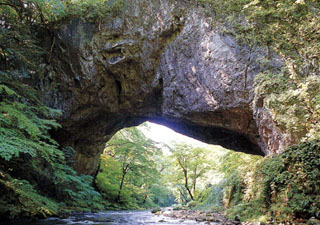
36	175
280	188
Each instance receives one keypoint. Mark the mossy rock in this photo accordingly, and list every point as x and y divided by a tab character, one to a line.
155	210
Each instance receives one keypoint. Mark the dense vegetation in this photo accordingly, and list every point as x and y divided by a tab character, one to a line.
188	166
33	171
36	175
282	187
130	172
278	188
134	172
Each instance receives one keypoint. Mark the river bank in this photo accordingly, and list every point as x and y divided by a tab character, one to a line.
144	217
199	216
220	218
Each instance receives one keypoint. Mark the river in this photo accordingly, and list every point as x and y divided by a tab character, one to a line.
112	218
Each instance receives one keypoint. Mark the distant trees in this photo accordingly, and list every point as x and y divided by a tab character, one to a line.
134	171
130	171
134	152
190	164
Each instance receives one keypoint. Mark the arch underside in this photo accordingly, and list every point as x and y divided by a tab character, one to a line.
89	138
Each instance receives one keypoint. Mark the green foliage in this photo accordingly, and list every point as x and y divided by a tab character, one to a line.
22	130
211	198
108	178
26	144
290	29
69	193
232	162
24	120
20	53
294	105
19	199
284	187
129	175
49	13
35	169
76	192
189	166
297	181
161	195
93	10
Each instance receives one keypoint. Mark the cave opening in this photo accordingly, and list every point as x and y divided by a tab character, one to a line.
88	137
151	164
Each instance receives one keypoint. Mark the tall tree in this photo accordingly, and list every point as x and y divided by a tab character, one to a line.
199	165
190	164
135	154
181	155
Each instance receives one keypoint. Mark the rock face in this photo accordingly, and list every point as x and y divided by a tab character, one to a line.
163	61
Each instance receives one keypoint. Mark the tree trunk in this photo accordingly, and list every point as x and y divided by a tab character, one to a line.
95	186
186	184
194	183
194	186
121	186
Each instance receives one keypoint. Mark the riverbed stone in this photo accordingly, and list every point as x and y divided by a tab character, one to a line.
313	221
200	216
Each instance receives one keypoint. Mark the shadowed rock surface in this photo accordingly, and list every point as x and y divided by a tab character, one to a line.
163	61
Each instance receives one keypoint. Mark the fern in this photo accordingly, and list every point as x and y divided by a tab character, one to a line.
27	201
26	147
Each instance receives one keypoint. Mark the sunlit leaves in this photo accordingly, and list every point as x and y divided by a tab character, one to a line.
22	130
190	165
285	186
130	171
128	167
294	105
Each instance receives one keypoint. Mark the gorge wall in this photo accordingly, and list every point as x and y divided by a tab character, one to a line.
165	61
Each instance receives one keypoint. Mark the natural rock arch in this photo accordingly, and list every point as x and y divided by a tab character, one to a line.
162	61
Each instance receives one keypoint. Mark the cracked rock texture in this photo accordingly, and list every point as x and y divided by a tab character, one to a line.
164	61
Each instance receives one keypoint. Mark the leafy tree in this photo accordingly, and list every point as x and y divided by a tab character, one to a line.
129	165
190	164
199	166
161	195
132	172
134	152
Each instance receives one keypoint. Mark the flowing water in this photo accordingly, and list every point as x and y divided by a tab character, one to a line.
112	218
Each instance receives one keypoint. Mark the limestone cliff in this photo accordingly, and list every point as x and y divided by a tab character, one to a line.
162	60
